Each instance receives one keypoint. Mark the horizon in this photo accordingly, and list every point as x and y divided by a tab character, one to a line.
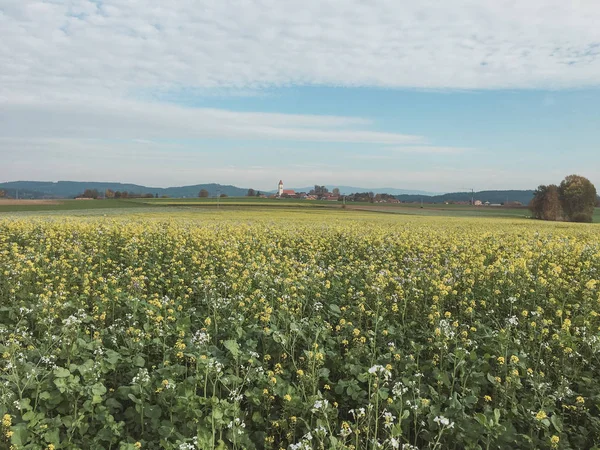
439	98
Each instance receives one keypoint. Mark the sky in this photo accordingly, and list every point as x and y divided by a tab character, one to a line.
429	95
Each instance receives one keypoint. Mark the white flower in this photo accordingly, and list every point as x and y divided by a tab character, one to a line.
142	377
443	421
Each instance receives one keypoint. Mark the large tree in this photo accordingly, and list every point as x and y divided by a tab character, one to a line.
545	204
251	193
578	198
203	193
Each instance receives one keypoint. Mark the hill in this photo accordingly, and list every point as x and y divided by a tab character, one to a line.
347	190
522	196
70	189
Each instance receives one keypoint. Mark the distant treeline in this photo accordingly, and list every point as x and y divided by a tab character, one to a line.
494	197
367	197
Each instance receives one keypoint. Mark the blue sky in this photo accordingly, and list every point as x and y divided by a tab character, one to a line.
483	95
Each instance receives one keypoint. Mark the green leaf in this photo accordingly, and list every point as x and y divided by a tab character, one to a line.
335	309
233	347
134	399
139	361
98	389
497	415
61	372
112	357
19	436
153	412
556	423
52	436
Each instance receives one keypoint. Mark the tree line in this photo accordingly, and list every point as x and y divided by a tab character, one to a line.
109	193
573	200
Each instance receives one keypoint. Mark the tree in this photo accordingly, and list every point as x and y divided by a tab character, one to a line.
251	193
109	193
118	194
223	195
90	193
336	192
203	193
258	193
578	198
2	193
546	204
124	194
319	191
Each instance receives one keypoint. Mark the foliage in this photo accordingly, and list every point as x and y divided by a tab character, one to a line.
298	334
90	193
546	204
578	198
203	193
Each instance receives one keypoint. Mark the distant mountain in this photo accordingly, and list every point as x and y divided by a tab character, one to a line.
523	197
347	190
70	189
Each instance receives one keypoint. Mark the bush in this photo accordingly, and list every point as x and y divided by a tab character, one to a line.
582	218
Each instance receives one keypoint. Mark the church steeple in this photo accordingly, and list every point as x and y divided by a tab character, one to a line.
280	188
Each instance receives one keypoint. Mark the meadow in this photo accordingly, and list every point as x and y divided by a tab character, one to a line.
243	328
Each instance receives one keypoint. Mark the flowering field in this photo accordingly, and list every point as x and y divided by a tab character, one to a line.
298	334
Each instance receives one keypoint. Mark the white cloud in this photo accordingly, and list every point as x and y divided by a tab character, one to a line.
51	48
125	119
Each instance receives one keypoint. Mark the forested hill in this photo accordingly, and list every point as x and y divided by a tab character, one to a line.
70	189
523	197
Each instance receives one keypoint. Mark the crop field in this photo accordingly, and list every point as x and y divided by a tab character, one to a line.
303	329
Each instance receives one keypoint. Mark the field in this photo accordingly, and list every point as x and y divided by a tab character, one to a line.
243	203
244	327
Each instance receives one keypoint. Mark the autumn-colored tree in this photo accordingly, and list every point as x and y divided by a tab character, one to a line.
109	193
203	193
251	193
578	198
2	193
545	204
90	193
336	192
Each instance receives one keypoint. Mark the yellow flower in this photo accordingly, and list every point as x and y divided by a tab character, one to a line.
554	440
138	445
580	399
514	359
541	415
6	420
300	372
487	398
287	397
207	321
500	360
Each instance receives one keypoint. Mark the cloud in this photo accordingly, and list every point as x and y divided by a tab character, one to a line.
126	119
75	47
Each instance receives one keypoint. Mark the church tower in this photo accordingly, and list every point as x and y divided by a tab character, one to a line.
280	189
